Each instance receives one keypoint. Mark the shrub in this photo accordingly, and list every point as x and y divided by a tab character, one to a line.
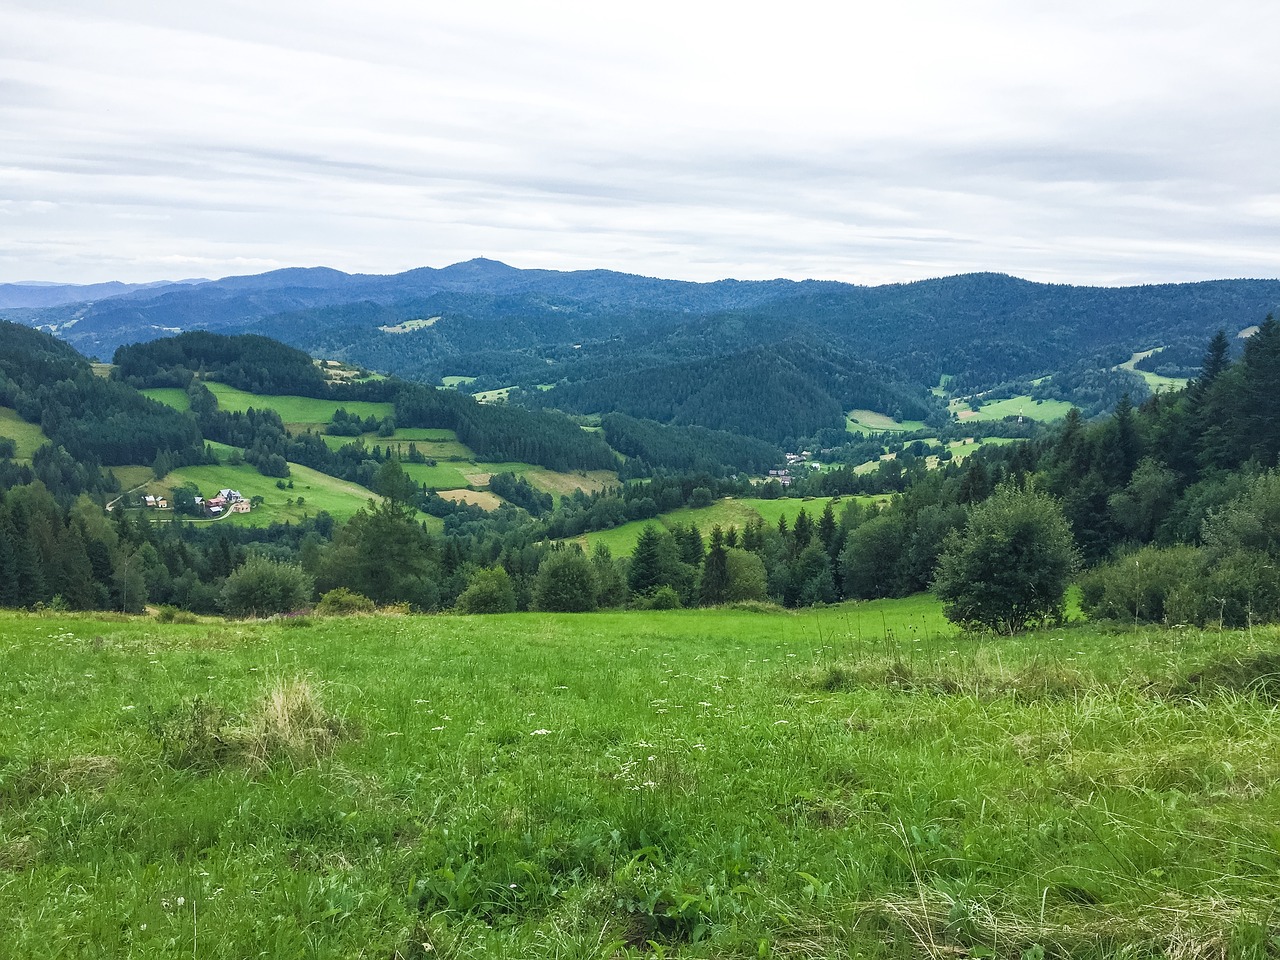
341	602
490	591
261	587
1147	585
665	598
566	582
1009	568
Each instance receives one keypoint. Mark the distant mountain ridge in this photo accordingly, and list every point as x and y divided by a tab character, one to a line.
538	327
35	294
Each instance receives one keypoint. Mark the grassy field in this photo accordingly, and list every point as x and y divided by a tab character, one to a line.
443	476
493	396
133	476
868	421
174	397
28	436
457	381
731	512
849	782
1043	410
295	410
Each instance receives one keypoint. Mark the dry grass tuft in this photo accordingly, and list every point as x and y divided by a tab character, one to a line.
46	777
938	926
289	722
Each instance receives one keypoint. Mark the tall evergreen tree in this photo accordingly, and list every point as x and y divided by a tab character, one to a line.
715	570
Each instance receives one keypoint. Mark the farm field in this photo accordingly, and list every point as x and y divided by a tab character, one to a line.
621	540
1044	410
854	781
564	484
869	421
28	437
477	498
294	410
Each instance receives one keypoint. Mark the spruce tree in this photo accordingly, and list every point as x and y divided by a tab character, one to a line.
715	570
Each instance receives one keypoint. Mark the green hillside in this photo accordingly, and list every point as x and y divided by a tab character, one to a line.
28	437
311	492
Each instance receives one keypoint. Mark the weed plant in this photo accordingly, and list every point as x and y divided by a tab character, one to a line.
855	781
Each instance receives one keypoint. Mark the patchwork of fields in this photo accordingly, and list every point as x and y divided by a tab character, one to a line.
456	468
855	781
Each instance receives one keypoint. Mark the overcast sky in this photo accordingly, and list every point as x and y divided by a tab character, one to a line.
1089	142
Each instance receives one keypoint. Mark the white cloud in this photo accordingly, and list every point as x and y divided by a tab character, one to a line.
1090	143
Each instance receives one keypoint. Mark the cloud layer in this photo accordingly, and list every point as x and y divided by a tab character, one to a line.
1092	143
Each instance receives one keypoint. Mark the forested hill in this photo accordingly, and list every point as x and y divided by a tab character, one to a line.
91	422
483	318
773	393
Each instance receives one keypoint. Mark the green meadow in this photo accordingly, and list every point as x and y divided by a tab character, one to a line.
853	781
28	437
174	397
299	410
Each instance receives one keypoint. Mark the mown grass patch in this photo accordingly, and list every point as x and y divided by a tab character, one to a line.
27	437
444	475
477	498
638	784
1023	406
493	396
564	484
